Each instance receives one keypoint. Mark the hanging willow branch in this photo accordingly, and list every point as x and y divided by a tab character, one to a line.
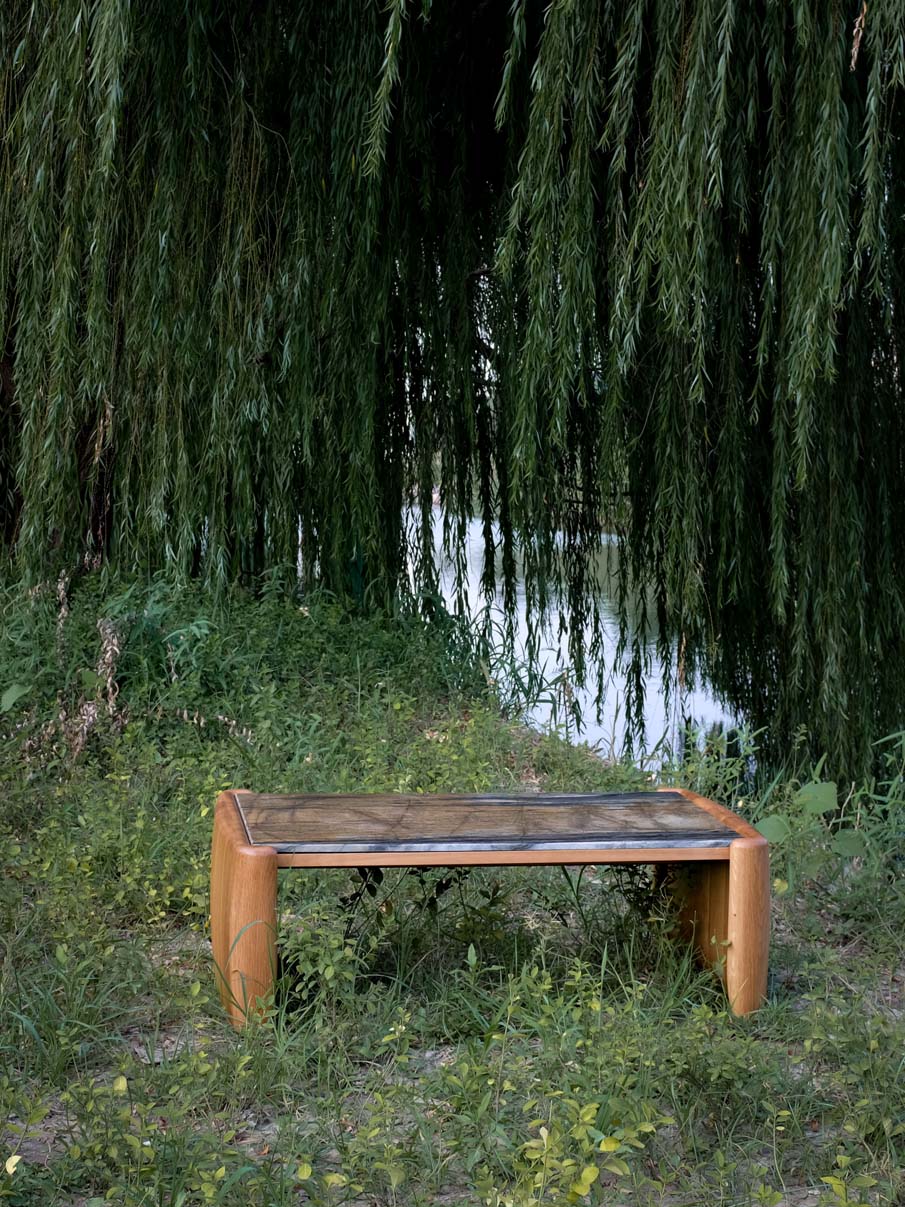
272	271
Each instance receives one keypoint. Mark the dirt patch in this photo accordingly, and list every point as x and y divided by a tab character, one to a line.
39	1142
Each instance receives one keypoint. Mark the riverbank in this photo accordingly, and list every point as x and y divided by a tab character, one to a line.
510	1038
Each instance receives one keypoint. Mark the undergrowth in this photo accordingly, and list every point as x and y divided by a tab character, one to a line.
506	1037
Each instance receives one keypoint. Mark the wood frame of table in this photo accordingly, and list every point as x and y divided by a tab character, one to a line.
717	865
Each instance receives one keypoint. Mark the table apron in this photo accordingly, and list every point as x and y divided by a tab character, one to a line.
448	859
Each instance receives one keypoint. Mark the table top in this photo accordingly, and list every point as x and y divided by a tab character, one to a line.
343	826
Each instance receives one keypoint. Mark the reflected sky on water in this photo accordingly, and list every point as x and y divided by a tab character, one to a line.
662	723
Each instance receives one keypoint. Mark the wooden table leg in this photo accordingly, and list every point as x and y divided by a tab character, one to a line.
725	911
701	895
748	924
243	914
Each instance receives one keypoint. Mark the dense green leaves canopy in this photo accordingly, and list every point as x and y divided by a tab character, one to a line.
273	269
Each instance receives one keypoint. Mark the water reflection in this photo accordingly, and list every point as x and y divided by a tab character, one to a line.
663	723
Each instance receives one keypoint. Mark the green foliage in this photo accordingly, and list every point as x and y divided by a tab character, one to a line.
270	269
527	1040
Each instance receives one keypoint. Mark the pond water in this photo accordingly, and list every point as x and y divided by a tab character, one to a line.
663	724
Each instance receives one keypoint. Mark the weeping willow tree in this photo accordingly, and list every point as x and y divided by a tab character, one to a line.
273	272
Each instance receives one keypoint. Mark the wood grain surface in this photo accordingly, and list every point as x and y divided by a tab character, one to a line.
399	824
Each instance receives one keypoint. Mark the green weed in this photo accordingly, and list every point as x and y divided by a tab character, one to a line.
509	1037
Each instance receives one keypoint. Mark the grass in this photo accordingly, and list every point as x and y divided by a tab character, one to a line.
511	1037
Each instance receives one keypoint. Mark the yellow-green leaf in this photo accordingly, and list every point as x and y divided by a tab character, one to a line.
836	1183
582	1185
304	1172
12	1162
609	1144
120	1085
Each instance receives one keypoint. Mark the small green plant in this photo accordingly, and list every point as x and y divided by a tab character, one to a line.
510	1037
